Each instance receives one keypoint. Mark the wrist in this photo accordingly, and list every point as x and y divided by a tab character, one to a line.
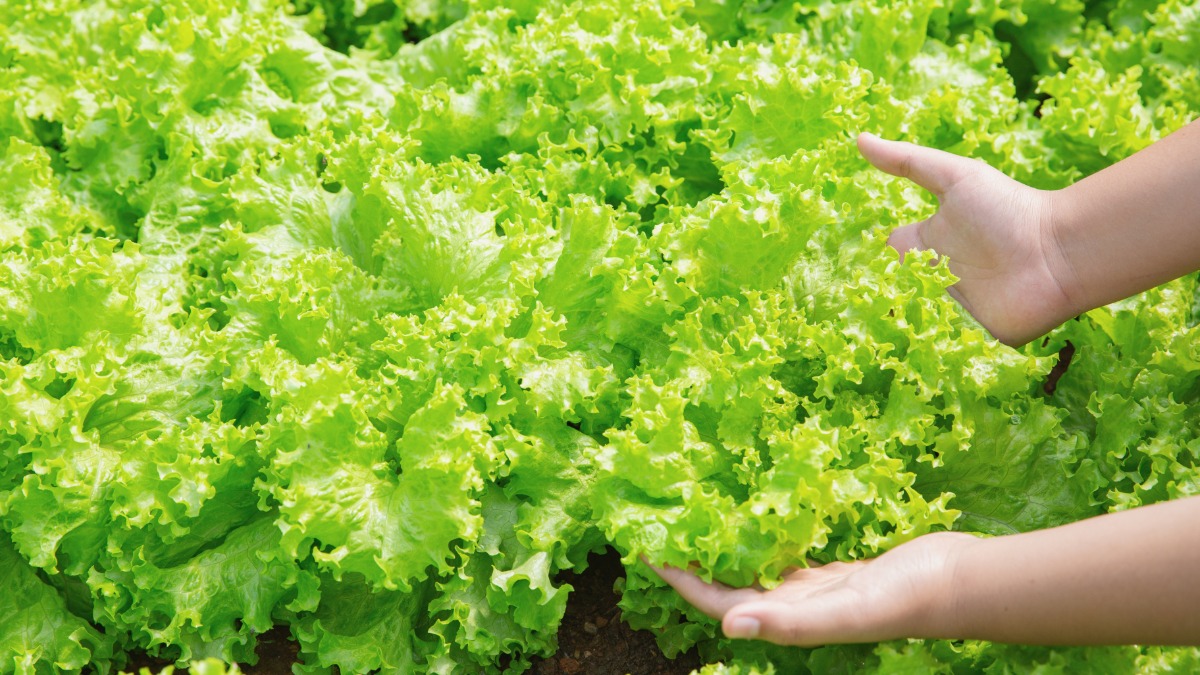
940	613
1059	232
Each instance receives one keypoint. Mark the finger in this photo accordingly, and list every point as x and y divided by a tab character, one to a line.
932	169
827	619
811	566
712	598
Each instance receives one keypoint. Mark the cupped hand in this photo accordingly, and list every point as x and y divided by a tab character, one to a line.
902	593
999	235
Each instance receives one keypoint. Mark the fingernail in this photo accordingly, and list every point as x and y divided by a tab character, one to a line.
744	627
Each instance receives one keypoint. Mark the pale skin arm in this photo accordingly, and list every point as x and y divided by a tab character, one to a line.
1030	259
1134	225
1123	578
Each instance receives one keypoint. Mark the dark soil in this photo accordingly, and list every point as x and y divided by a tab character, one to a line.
591	640
594	640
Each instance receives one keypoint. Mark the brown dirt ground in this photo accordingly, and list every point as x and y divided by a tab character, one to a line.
595	641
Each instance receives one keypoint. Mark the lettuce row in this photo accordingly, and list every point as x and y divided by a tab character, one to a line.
368	319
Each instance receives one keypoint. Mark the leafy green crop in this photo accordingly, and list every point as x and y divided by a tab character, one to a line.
369	318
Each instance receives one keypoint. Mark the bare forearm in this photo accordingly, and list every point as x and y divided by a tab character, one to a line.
1134	225
1129	577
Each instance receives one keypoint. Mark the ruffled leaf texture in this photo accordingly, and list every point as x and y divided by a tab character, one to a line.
368	319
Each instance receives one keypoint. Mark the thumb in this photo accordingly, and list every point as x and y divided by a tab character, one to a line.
934	170
817	621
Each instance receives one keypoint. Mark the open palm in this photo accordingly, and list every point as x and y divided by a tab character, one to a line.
887	597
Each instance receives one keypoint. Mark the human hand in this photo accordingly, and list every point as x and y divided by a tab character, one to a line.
999	234
902	593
